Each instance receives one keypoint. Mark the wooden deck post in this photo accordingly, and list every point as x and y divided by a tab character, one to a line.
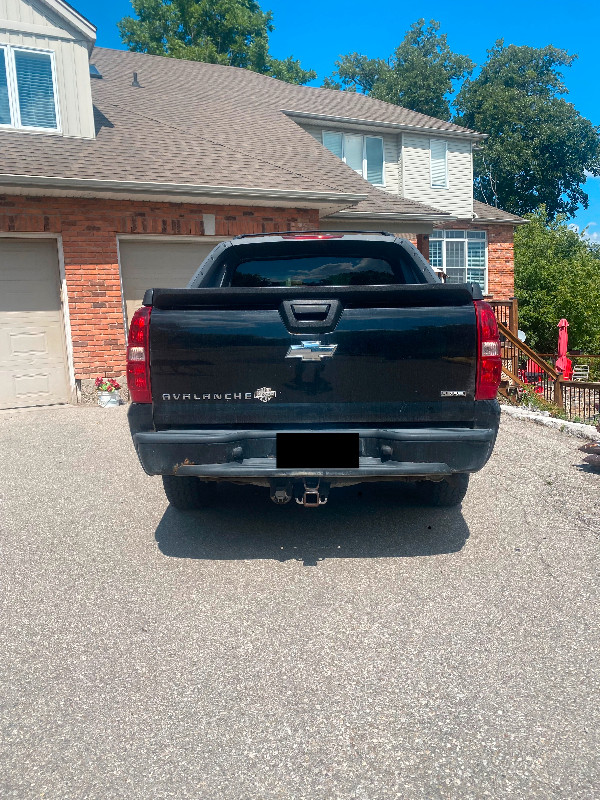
513	315
558	392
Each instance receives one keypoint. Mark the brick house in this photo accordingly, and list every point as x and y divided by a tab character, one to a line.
120	171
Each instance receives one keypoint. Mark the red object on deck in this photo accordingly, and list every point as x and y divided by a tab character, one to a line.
533	367
562	362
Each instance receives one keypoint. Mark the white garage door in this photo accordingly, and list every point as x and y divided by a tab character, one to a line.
33	362
165	265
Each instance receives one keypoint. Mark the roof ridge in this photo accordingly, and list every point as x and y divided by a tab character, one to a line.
421	121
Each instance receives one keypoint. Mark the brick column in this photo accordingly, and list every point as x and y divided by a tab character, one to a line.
94	289
423	244
501	261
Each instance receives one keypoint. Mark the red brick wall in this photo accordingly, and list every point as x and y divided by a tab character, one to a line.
501	259
89	229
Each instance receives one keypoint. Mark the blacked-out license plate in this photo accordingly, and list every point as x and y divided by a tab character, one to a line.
317	450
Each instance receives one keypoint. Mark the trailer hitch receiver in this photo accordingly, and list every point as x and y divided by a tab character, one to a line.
312	493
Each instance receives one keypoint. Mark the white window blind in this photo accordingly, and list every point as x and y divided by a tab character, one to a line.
353	152
4	101
374	157
36	89
439	163
364	154
333	142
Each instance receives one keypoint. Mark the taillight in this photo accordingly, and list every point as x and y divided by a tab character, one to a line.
489	359
138	357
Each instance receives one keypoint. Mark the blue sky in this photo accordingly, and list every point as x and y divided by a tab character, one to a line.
317	33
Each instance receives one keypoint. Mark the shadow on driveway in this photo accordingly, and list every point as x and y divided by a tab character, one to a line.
367	521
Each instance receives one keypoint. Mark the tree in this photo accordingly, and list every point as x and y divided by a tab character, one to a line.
418	76
232	32
357	73
557	274
540	147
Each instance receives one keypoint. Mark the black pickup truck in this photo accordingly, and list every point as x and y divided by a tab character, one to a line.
304	361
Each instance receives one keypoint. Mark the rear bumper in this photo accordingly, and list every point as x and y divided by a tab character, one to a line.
245	454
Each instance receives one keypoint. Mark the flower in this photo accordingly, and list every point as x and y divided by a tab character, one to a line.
106	384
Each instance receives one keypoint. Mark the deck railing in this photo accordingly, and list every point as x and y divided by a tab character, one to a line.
578	399
581	400
545	379
507	312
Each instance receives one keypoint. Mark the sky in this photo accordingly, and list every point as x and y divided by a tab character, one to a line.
318	32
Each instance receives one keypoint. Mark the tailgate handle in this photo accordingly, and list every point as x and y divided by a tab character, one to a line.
313	312
301	316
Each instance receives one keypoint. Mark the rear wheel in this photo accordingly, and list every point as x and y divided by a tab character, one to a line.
187	493
445	493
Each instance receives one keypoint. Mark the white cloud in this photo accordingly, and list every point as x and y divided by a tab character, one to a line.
589	175
585	230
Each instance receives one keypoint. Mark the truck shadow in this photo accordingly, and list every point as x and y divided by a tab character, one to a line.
368	521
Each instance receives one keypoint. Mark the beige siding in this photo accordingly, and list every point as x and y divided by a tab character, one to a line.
32	16
391	152
315	132
71	61
458	197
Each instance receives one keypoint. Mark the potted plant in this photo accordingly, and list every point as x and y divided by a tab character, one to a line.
108	392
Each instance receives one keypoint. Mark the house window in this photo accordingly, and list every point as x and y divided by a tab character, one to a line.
27	89
461	254
363	153
438	152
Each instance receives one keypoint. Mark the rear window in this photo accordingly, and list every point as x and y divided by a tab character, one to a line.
315	271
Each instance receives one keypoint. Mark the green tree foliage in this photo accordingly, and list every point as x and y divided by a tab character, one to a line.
419	75
557	274
356	73
232	32
540	147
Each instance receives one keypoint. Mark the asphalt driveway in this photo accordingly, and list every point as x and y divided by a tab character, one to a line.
369	649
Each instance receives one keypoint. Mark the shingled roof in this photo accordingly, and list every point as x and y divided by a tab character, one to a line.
485	213
194	126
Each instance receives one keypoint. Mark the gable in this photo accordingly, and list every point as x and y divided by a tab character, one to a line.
52	18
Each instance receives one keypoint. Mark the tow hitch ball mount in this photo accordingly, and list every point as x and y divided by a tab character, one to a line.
310	492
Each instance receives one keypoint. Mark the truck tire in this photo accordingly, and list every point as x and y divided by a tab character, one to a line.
446	493
186	493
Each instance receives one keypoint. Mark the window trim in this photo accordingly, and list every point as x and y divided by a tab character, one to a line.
13	91
364	137
446	182
465	239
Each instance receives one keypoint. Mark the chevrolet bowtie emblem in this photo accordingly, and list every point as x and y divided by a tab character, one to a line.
311	351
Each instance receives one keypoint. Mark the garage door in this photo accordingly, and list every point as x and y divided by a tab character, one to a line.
33	362
147	265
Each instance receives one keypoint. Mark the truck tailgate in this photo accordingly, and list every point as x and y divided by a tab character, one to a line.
386	355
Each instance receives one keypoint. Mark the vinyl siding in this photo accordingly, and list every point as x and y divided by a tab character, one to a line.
29	12
391	152
458	197
71	60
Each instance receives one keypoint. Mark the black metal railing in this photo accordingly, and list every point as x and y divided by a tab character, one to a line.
581	400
